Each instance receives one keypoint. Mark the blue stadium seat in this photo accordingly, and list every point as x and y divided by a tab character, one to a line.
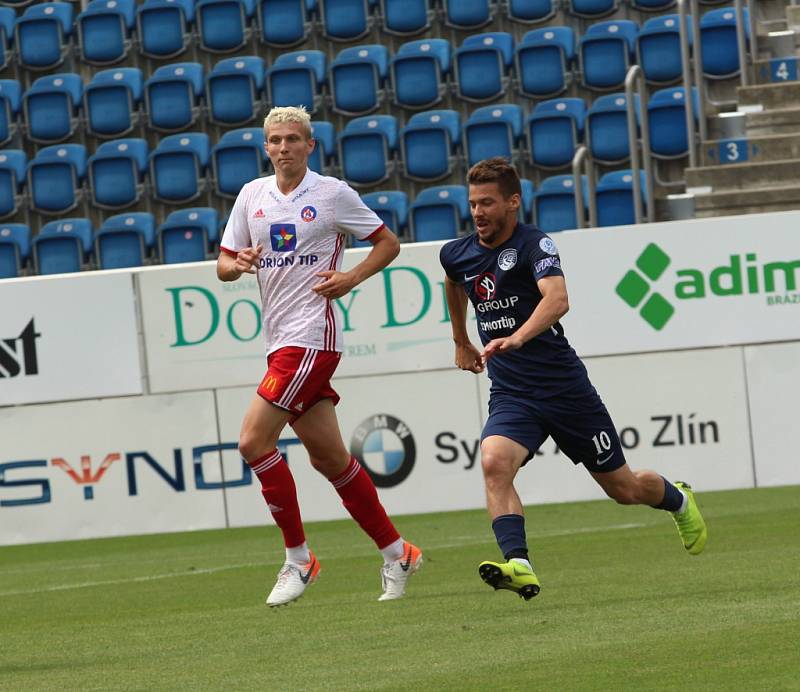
112	102
284	23
718	42
439	213
187	235
234	90
172	96
652	5
554	203
178	167
223	26
15	247
52	107
493	131
666	112
420	70
297	79
345	20
10	102
357	79
392	208
429	144
63	246
104	31
531	11
43	35
325	149
544	60
237	159
468	14
607	128
607	50
658	48
406	17
8	19
164	27
367	149
526	210
116	173
55	178
614	198
482	65
555	129
125	240
13	166
592	9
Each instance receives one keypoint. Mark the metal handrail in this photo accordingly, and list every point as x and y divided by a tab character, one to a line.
635	74
699	82
741	43
582	156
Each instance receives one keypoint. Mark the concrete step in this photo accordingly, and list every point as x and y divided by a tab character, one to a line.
744	176
775	198
757	149
770	96
776	121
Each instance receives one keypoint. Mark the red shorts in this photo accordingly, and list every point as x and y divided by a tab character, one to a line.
297	378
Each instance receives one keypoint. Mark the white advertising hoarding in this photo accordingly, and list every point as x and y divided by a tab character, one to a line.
68	337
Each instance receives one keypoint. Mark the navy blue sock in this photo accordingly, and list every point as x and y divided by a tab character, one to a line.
673	498
509	530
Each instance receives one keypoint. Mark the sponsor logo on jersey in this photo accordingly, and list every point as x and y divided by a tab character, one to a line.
497	304
548	246
259	214
283	237
485	285
507	259
308	213
503	323
545	263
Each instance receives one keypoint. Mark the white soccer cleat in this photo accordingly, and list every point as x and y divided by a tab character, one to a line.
292	581
396	574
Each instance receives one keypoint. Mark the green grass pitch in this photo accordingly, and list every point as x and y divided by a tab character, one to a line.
622	607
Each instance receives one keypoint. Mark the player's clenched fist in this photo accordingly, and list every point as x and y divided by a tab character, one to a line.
247	259
468	358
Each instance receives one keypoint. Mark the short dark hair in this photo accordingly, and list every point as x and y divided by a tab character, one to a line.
496	170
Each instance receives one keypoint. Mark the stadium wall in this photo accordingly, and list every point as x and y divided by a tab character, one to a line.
689	331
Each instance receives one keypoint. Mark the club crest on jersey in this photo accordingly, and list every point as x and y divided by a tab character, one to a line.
548	246
486	285
507	259
308	213
283	237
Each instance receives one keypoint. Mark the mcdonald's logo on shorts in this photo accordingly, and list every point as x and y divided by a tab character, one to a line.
270	384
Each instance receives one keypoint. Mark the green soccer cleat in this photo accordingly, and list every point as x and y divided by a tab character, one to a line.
691	526
511	575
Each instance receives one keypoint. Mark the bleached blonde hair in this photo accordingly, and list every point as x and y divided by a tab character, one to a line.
289	114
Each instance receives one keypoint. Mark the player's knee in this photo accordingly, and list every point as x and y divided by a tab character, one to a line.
623	494
252	446
330	466
497	470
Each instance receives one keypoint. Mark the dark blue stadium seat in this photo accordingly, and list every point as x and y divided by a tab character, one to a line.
172	96
112	102
420	70
15	247
367	147
666	112
555	129
124	240
554	203
493	131
13	166
104	31
544	61
178	167
237	159
429	144
10	102
406	17
296	79
325	149
43	35
526	210
116	173
592	9
439	213
284	23
392	208
345	20
607	50
63	246
658	47
652	5
357	79
164	27
531	11
52	107
468	14
234	90
187	235
607	128
718	42
223	26
8	19
55	178
614	198
482	65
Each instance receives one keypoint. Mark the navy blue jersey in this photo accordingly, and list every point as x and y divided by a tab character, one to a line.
501	283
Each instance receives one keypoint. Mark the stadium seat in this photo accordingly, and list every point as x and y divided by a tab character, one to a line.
55	178
592	9
297	79
325	148
223	26
607	128
544	60
104	31
62	246
406	17
164	27
237	159
666	112
345	20
392	208
468	15
8	19
554	203
124	240
614	198
15	247
429	143
531	11
367	147
607	50
234	91
718	42
357	79
658	47
439	213
112	102
482	64
172	96
526	210
10	102
420	70
187	235
284	23
43	34
13	166
653	5
555	128
493	131
52	107
116	173
178	167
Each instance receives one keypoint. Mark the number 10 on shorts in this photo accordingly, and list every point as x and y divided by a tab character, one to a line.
602	442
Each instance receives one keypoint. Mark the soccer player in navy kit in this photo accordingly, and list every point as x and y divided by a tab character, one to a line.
512	274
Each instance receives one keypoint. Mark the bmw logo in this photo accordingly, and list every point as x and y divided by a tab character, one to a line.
385	447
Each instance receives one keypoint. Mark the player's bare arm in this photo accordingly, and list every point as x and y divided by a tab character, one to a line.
230	268
553	306
385	247
467	356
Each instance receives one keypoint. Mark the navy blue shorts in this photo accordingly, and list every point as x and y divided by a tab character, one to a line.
578	422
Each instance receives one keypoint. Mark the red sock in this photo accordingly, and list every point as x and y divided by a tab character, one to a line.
280	494
360	498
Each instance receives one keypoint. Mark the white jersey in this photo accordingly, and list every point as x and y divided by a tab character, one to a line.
302	233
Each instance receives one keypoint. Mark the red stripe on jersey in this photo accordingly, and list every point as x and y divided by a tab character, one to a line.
329	339
375	232
227	251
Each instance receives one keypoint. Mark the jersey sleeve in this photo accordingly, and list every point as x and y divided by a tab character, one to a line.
445	259
355	217
236	236
543	258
